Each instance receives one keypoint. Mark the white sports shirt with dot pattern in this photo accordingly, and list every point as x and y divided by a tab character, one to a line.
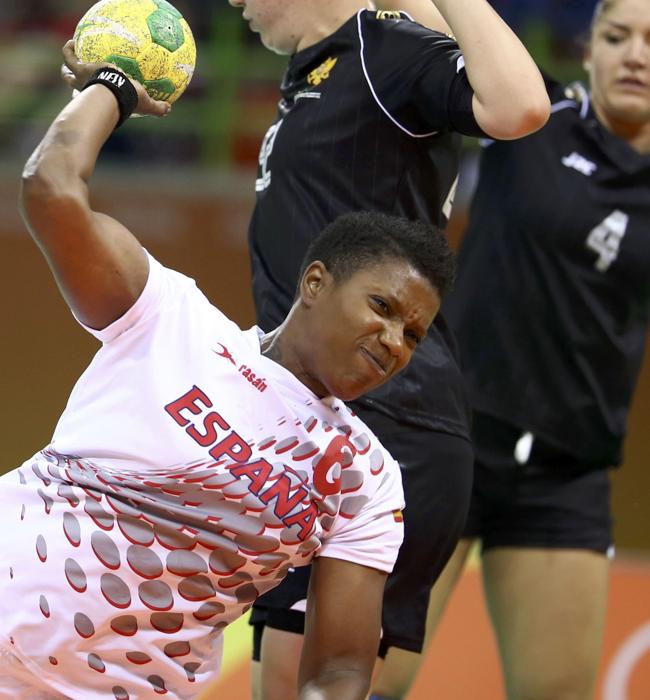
187	473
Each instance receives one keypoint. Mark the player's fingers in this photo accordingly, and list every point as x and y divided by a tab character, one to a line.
69	57
156	108
165	108
81	72
147	105
67	75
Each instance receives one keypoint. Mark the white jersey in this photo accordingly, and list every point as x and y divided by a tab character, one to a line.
187	473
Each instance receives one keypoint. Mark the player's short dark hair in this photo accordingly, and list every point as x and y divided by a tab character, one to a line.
361	239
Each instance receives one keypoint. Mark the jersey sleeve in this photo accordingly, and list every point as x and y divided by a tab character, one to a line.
374	535
163	288
417	76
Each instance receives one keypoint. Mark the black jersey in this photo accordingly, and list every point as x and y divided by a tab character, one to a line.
552	302
368	120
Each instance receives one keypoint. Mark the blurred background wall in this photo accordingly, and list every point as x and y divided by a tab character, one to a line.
185	186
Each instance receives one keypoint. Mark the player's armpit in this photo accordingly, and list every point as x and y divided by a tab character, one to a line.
342	630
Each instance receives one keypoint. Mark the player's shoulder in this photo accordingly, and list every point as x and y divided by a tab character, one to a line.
571	99
397	25
184	303
387	19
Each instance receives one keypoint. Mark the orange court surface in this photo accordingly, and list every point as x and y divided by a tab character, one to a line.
462	662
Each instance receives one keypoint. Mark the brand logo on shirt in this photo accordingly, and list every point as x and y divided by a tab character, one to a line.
579	163
318	75
387	14
226	354
256	382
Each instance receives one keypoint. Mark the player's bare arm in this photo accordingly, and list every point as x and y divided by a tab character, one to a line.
510	99
98	264
342	630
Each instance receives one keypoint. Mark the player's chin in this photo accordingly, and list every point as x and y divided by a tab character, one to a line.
632	108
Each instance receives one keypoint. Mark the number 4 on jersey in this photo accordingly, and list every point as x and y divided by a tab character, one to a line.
605	239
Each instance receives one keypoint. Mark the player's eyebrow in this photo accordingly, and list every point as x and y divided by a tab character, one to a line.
617	25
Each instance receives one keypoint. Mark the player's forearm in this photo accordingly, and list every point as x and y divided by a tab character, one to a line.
510	99
67	154
54	179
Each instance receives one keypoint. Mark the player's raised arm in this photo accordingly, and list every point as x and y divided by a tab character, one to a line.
510	100
98	264
342	630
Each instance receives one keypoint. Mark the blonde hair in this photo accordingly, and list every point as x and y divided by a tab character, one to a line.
601	8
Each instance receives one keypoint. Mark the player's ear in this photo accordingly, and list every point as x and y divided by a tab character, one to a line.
314	280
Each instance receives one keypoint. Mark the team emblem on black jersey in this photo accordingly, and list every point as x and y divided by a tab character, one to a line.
323	71
388	14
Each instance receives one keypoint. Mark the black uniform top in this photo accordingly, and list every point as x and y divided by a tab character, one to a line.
368	120
552	302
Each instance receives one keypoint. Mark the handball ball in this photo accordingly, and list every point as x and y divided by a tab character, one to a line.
147	39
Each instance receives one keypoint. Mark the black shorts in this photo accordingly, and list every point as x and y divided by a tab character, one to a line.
552	499
437	478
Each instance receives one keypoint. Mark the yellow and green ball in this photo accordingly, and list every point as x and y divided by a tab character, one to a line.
147	39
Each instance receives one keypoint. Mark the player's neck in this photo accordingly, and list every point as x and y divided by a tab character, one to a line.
322	19
283	345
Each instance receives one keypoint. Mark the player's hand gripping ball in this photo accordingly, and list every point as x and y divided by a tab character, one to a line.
147	39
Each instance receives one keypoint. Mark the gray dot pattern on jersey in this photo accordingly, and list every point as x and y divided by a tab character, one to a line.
181	547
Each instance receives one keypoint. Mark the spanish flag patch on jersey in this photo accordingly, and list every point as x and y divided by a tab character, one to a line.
398	516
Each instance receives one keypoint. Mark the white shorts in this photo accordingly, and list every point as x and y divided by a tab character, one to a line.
18	683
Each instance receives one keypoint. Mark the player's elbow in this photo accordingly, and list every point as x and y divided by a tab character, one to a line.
531	117
517	119
339	679
47	201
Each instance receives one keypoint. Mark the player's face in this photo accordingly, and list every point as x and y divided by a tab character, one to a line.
365	329
618	62
276	21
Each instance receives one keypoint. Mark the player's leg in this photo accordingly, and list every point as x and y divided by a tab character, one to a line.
400	667
278	620
437	476
280	659
546	533
258	622
548	610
